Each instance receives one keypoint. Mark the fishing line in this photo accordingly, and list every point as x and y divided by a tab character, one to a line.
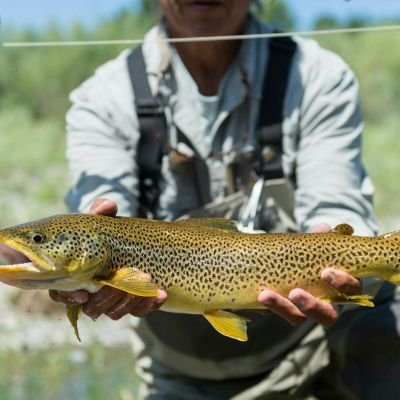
382	28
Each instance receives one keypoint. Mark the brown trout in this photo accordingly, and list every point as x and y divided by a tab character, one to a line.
206	266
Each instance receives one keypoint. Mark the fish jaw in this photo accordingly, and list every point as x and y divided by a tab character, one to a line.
38	272
37	263
28	276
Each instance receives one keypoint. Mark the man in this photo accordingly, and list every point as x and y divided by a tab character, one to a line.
210	92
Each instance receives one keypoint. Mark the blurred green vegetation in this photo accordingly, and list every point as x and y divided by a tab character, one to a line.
377	65
68	372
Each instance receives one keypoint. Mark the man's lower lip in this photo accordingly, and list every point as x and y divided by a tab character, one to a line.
200	6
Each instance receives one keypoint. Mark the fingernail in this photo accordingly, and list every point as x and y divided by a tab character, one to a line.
97	205
91	313
93	316
265	299
161	297
74	301
299	302
330	278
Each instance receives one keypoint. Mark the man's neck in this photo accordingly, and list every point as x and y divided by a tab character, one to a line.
207	62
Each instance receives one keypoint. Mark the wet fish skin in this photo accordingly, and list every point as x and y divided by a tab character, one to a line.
205	265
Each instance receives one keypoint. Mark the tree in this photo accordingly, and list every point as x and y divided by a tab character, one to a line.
276	13
327	22
150	8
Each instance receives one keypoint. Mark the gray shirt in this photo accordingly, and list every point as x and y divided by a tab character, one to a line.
321	139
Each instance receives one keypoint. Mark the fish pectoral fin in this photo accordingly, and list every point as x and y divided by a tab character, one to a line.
340	298
228	324
343	229
73	312
131	281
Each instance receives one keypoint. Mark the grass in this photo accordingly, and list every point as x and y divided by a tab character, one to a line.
33	171
381	157
68	372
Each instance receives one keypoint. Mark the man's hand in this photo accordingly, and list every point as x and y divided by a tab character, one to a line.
301	305
109	301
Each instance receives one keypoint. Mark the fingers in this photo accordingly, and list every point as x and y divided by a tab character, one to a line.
321	228
342	281
103	206
71	298
102	301
299	306
282	307
320	311
115	303
110	301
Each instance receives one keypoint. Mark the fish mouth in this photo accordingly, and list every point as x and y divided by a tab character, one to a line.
22	263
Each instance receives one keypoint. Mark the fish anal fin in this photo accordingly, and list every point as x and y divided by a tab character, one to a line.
228	324
343	229
131	281
212	223
73	312
340	298
394	278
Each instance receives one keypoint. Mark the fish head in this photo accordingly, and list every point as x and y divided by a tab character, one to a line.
60	251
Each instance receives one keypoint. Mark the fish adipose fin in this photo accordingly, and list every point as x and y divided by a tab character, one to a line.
343	229
73	312
340	298
131	281
228	324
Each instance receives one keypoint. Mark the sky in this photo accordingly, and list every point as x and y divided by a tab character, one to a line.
37	13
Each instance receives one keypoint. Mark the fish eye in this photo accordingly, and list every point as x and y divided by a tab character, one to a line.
38	238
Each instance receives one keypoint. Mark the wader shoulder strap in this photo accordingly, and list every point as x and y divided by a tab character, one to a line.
153	131
153	127
269	126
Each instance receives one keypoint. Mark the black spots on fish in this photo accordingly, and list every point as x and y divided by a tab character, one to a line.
61	238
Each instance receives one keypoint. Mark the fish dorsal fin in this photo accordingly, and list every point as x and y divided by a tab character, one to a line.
73	312
343	229
212	223
394	234
131	281
228	324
